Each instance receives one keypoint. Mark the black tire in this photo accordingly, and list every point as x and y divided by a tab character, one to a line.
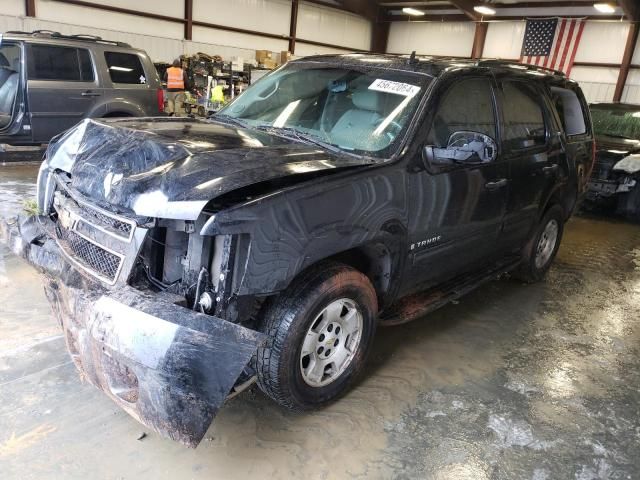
531	271
288	319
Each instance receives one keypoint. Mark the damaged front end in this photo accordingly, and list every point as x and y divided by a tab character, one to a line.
614	178
150	289
128	316
613	175
168	366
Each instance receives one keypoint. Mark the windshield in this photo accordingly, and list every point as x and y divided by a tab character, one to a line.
616	122
358	110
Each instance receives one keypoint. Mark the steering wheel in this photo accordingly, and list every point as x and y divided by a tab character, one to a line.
392	130
275	89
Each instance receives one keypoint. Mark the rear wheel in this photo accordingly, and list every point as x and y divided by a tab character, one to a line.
320	332
543	246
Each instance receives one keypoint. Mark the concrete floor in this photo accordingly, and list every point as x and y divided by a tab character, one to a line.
513	382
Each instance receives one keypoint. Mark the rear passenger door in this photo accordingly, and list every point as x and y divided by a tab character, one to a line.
534	154
457	208
62	88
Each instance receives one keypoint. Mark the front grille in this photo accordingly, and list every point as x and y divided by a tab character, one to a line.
99	242
91	256
109	222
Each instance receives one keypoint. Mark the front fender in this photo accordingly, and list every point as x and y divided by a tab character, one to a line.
293	230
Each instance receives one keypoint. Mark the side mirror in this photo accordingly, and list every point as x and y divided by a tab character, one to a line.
463	147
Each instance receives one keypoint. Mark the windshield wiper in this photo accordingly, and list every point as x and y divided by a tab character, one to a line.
296	134
231	120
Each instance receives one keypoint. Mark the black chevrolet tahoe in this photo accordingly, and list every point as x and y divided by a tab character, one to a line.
186	259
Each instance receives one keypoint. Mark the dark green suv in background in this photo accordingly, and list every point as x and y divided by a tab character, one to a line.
49	82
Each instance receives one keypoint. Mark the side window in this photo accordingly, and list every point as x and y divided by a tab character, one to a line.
523	116
570	111
466	106
125	68
48	62
86	65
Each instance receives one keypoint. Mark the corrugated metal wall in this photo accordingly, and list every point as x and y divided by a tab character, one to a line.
504	40
597	83
432	38
631	93
333	26
601	42
163	40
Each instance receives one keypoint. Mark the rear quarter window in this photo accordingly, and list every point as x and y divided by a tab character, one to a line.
125	68
569	110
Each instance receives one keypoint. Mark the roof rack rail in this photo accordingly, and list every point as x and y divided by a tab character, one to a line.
527	66
78	37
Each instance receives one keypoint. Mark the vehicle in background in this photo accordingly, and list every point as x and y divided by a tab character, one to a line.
615	181
186	258
49	82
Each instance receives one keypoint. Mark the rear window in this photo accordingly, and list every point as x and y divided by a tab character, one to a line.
523	116
570	110
125	68
48	62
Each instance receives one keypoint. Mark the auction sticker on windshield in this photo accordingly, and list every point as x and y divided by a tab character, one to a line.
398	88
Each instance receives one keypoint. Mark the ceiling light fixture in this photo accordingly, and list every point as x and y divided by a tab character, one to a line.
604	7
484	10
412	11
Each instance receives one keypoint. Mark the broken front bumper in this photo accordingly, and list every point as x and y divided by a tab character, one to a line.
167	366
607	188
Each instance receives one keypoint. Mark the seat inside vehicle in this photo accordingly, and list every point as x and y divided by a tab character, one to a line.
368	121
9	81
356	123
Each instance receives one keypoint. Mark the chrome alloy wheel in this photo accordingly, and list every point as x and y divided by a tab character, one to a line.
331	343
547	243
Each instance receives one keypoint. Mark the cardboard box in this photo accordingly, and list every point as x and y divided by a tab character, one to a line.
237	64
285	56
269	63
262	55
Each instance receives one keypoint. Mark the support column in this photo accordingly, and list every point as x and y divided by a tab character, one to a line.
478	39
188	17
293	25
629	48
30	8
379	32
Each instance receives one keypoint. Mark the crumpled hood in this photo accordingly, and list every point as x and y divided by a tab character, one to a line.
606	143
171	168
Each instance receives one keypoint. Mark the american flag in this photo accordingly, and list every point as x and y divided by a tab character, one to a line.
552	43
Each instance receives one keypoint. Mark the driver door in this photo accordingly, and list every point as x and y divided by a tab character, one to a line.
458	206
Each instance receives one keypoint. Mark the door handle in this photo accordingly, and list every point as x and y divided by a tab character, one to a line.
90	94
550	169
497	184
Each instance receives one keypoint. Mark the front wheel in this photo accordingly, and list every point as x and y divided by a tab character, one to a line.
543	246
320	331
